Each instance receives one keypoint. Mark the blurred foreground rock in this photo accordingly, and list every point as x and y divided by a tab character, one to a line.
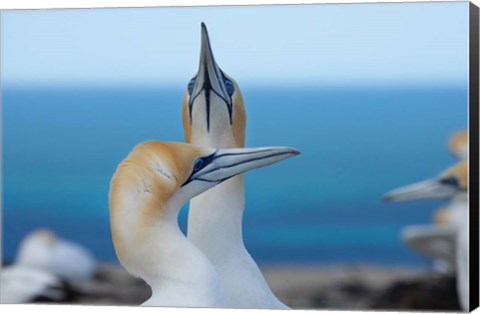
301	287
362	287
111	285
427	293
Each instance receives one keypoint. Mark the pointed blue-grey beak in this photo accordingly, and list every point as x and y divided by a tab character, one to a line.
210	81
424	190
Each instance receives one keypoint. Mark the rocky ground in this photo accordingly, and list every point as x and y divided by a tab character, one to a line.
362	287
302	287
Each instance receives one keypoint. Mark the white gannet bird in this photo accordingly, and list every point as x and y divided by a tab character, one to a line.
438	240
433	241
214	116
147	191
451	184
43	269
43	249
23	284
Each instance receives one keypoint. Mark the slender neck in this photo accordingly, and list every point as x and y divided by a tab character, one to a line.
215	218
150	245
184	276
172	259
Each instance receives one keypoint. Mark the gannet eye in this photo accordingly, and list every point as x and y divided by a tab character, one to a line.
453	181
198	164
190	86
230	87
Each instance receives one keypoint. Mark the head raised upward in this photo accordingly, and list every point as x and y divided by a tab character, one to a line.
157	178
213	110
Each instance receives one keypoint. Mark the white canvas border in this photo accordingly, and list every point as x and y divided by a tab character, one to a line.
32	4
57	4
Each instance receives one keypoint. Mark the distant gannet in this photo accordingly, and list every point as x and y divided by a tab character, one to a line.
43	268
22	284
433	241
451	184
146	193
44	250
214	116
438	240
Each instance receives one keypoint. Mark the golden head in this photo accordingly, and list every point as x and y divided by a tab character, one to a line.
153	182
456	175
458	144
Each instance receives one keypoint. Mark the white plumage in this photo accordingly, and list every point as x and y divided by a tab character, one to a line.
44	250
146	194
214	116
452	184
42	264
23	284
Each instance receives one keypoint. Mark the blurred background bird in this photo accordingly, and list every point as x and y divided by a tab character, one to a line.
325	243
446	241
437	241
45	268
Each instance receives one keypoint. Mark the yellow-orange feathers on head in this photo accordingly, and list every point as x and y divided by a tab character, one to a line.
458	144
458	172
140	191
155	169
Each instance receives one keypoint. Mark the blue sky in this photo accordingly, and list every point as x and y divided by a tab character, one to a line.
318	44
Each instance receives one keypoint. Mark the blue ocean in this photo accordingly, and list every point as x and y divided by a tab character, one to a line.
61	146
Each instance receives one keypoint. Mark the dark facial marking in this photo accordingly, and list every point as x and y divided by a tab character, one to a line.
207	89
453	181
199	164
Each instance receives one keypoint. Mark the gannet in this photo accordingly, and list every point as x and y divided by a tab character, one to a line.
451	184
438	240
43	249
214	116
22	284
146	193
433	241
43	269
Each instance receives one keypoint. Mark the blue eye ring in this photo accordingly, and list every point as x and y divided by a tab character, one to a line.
198	164
230	87
190	86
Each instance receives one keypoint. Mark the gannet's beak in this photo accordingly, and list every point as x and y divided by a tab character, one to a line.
210	81
226	163
428	189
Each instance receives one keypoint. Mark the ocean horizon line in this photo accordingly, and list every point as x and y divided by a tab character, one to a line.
333	85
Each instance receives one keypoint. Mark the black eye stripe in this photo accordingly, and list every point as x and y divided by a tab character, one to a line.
244	161
453	181
208	159
199	164
225	94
